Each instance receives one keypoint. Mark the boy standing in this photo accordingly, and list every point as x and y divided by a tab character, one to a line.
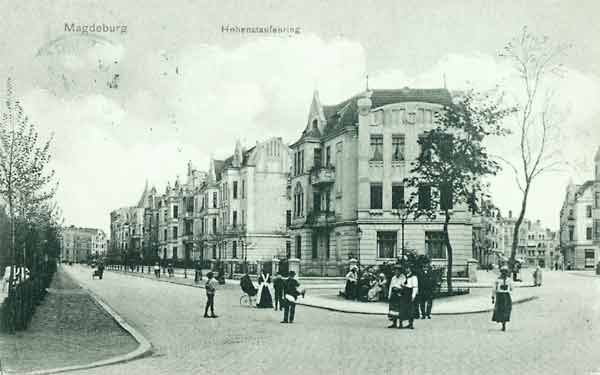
211	287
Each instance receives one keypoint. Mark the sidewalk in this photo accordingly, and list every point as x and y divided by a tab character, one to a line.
476	302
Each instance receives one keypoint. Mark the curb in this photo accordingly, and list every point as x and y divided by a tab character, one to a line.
144	348
158	279
523	300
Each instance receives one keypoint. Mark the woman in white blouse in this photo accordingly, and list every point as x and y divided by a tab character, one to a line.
403	290
501	298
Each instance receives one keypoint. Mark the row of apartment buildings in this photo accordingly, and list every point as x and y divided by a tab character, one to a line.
493	238
334	194
79	245
580	221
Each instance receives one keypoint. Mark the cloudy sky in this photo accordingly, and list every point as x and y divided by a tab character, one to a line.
135	105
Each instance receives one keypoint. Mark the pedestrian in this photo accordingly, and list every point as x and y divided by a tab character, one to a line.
426	287
278	285
408	292
292	291
156	270
501	298
264	296
537	276
351	290
394	296
211	287
556	266
100	270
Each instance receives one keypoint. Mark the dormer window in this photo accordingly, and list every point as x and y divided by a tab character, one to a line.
315	124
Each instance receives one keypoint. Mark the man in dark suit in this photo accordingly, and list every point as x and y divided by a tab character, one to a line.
291	291
278	285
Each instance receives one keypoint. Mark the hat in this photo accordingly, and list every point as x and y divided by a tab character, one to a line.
292	273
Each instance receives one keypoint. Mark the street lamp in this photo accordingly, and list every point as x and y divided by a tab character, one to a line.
403	214
359	235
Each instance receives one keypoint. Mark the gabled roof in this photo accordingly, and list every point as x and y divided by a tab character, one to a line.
582	188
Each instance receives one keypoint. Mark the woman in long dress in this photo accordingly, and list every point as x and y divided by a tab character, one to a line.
394	298
408	293
501	298
264	296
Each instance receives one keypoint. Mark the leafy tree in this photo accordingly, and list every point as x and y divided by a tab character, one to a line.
453	160
26	182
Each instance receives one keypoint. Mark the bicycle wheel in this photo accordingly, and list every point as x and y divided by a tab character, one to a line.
245	300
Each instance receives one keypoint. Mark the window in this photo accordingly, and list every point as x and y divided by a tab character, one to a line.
588	210
175	233
424	194
174	252
288	218
386	244
570	213
298	201
317	158
328	156
434	245
214	199
446	197
202	227
317	202
243	218
188	227
339	149
397	196
234	221
588	233
175	212
234	249
301	162
376	148
214	252
235	189
243	189
597	199
590	260
315	246
165	235
298	247
571	232
398	147
288	249
376	196
214	225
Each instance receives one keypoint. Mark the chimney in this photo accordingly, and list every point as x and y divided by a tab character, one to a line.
510	214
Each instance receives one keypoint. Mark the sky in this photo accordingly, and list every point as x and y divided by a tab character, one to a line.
126	107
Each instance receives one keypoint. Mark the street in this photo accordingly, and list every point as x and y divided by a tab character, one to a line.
555	334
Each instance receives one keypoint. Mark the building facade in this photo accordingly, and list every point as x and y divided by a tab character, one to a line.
79	245
580	222
347	183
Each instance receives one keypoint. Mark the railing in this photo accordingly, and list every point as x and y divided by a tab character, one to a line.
17	309
322	175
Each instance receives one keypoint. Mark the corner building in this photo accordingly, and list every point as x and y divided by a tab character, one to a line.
347	183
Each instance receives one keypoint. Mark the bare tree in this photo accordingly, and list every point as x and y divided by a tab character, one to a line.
25	181
535	60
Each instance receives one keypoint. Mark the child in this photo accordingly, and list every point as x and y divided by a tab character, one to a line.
211	287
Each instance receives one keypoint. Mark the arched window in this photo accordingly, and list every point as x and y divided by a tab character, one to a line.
315	124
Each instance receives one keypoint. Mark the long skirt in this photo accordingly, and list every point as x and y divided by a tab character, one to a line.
502	308
395	305
350	290
266	301
407	308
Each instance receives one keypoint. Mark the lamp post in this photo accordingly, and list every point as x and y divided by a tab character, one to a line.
359	236
403	213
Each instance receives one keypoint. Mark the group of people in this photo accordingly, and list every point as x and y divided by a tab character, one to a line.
277	293
410	296
369	287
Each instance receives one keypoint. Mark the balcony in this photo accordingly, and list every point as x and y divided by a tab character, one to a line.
235	229
320	218
322	175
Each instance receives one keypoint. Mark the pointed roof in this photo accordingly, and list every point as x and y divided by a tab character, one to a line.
144	197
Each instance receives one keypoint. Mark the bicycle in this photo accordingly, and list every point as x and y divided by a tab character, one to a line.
248	300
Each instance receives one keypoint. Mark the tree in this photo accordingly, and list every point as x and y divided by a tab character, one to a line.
453	160
25	179
535	60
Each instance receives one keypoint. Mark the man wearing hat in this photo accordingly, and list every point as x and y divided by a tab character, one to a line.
291	292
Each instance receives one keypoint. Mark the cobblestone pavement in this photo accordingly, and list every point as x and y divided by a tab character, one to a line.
559	333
